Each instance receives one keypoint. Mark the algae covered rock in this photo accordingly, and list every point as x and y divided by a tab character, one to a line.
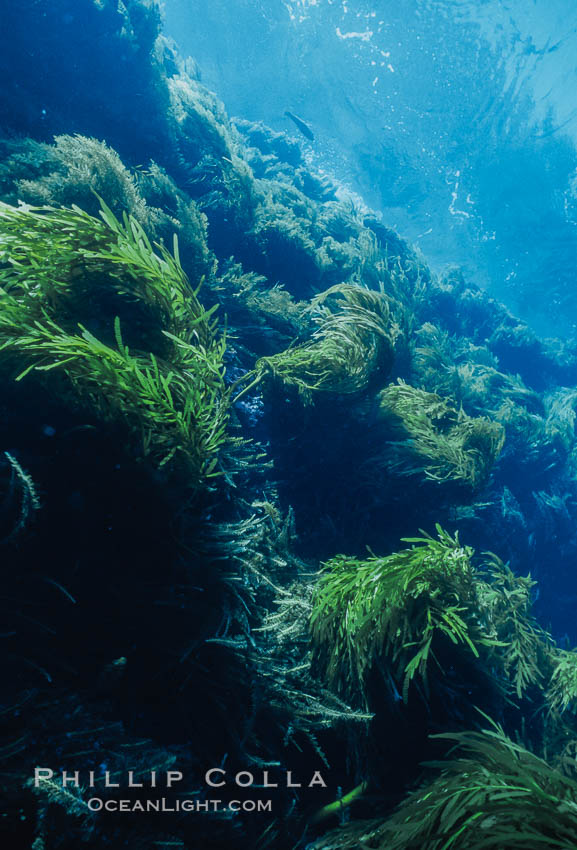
306	245
395	613
76	170
70	284
434	636
392	611
352	347
430	438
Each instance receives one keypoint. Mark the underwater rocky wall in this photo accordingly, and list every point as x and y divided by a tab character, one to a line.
452	119
191	427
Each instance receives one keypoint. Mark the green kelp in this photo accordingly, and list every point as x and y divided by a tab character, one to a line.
469	374
306	246
77	170
561	408
524	649
454	366
397	612
264	319
427	436
210	163
491	794
393	610
562	692
352	346
66	278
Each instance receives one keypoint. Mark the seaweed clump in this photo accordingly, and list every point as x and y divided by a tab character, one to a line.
18	499
394	609
491	793
429	437
405	612
172	398
77	170
392	631
352	347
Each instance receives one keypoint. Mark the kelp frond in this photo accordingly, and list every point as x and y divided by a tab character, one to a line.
175	404
492	794
52	257
18	498
429	436
393	610
562	691
351	346
396	612
524	647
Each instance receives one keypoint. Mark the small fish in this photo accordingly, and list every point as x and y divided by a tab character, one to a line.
302	125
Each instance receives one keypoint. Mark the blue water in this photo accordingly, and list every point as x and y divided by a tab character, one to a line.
456	120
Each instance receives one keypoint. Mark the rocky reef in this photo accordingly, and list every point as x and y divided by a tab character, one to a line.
253	457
